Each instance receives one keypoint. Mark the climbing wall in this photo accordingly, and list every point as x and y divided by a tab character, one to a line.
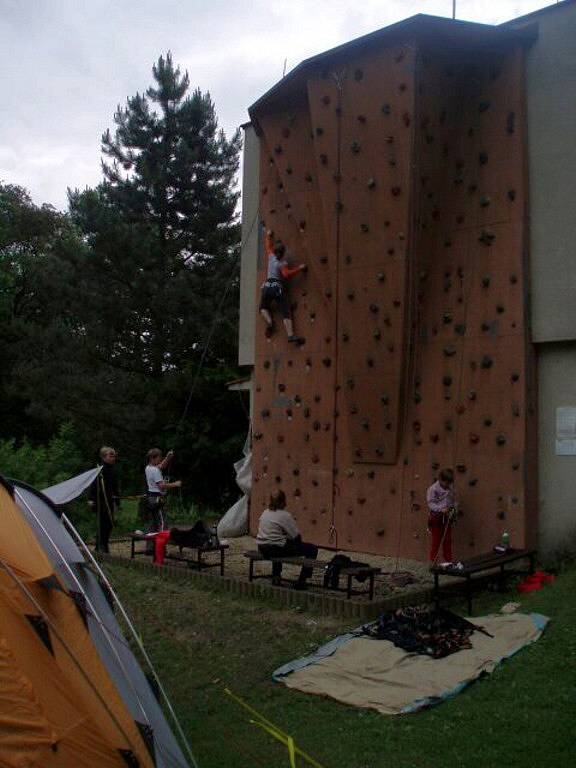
397	175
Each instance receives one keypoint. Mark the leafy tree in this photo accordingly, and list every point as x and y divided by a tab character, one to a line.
136	280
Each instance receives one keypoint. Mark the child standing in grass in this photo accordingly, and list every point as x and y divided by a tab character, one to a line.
440	499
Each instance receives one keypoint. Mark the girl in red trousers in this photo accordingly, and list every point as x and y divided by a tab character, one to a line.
440	500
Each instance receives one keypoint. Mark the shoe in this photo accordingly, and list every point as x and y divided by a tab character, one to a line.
296	340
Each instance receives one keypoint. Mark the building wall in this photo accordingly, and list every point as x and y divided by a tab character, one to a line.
557	497
550	87
250	245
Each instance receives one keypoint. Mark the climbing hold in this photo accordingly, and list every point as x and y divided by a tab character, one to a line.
486	362
381	277
280	438
377	334
345	337
386	109
486	237
473	481
365	424
483	106
265	413
384	399
350	295
327	362
302	226
319	131
395	191
417	397
257	435
338	206
513	279
485	282
447	318
307	413
500	309
324	159
447	381
316	426
460	409
364	227
511	195
484	201
515	377
317	399
482	158
434	438
389	140
449	351
472	395
325	100
358	75
289	170
515	409
289	414
278	149
374	308
353	410
308	177
371	183
500	440
355	147
266	364
350	383
297	400
485	326
474	439
487	422
448	425
406	119
510	121
370	362
264	190
361	119
461	468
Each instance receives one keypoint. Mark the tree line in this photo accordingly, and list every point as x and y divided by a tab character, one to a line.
106	309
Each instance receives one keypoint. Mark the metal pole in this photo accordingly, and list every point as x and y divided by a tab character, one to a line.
453	9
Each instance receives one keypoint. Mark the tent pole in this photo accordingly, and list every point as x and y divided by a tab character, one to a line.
83	546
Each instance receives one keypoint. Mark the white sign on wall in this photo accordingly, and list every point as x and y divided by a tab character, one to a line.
566	431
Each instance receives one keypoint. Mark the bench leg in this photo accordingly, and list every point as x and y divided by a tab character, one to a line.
199	551
132	553
532	563
221	562
469	594
436	591
251	571
349	587
371	587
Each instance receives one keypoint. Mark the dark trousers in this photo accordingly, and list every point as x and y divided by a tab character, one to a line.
294	548
104	528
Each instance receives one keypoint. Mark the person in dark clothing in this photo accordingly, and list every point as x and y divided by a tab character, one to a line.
105	497
278	536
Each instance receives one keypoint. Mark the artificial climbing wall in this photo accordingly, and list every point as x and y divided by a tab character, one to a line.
398	176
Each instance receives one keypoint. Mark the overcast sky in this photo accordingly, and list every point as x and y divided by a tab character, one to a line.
66	64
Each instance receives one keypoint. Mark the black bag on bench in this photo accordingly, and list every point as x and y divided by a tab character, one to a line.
335	566
199	536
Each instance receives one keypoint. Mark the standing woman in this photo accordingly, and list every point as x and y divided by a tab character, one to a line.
105	497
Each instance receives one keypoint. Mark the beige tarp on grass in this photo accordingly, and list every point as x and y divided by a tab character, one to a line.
375	674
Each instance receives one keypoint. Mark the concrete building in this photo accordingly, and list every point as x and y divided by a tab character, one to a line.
424	172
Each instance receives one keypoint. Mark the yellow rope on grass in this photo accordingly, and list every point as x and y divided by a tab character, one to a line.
274	731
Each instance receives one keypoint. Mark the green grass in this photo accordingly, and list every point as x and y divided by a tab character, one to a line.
520	716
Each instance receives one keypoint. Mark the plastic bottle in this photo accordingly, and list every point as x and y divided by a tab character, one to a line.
506	539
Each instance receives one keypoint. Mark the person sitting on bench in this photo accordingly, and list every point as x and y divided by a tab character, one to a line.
278	536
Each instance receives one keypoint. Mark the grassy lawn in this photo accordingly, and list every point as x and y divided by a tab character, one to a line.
523	715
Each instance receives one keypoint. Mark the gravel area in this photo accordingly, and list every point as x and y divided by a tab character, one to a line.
398	576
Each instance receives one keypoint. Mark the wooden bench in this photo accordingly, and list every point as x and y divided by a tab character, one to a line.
486	562
198	561
350	573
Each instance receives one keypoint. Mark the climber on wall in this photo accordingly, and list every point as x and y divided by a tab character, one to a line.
274	290
441	508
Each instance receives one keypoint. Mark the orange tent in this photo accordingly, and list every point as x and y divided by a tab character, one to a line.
72	694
